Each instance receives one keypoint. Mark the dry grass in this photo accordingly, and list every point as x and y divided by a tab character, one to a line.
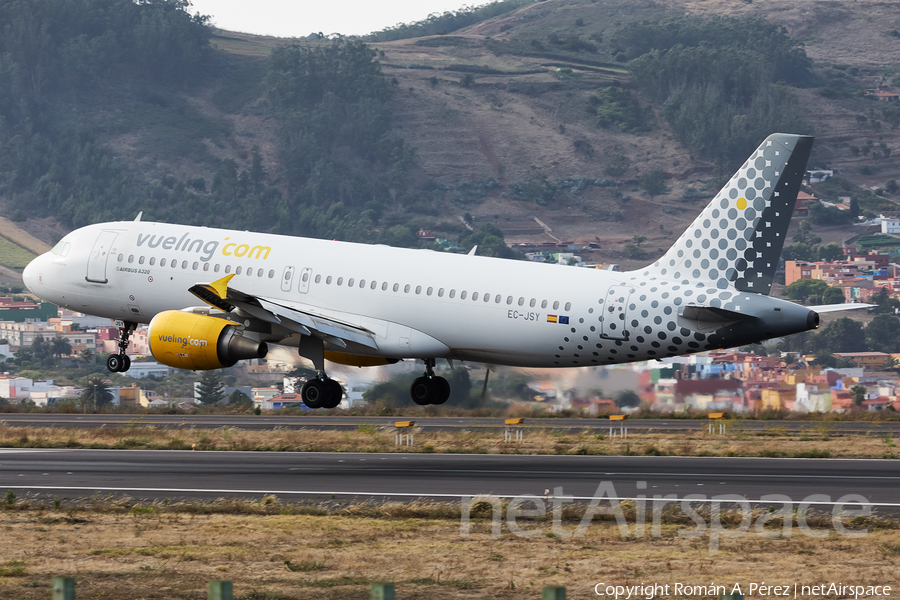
817	440
18	236
278	551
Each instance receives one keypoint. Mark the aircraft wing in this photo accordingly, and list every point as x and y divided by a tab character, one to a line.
293	318
824	308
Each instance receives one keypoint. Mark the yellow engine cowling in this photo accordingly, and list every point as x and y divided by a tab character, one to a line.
198	342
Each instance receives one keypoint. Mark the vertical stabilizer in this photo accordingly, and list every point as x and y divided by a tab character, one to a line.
737	239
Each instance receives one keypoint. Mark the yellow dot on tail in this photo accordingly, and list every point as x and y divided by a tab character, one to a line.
742	203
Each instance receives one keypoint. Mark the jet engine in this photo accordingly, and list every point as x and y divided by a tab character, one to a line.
199	342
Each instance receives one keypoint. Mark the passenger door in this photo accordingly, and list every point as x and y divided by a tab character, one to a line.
96	268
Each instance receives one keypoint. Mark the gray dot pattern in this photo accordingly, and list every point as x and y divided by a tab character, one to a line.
737	239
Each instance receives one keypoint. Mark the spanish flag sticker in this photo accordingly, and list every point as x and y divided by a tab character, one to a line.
551	318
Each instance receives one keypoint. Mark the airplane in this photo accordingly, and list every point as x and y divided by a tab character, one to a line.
367	305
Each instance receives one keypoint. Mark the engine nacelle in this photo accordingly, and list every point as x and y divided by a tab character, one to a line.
198	342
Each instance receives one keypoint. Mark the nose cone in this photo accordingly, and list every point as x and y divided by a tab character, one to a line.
32	275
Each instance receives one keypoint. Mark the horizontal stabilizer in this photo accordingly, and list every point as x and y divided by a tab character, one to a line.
839	307
704	318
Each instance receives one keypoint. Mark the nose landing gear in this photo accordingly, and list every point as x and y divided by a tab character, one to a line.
429	389
119	363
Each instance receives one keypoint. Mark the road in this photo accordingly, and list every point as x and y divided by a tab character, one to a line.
79	473
436	423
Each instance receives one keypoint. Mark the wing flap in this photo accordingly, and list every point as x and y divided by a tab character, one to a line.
220	295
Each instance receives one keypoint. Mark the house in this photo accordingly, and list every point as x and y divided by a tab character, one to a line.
869	360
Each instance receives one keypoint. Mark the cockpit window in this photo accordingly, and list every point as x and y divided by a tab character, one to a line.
61	248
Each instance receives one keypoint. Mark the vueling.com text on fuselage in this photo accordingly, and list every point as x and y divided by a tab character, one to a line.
207	249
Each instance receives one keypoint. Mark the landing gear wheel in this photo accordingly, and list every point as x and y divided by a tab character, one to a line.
443	390
315	393
126	363
423	391
114	363
337	392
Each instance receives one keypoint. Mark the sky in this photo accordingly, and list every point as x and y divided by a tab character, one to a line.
292	18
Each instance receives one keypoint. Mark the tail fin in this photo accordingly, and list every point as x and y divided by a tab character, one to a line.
737	239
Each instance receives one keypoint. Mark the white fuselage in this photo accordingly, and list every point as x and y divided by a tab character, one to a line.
418	303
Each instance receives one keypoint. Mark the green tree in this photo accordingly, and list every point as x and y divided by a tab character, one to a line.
654	182
95	393
460	388
86	356
211	391
60	346
833	295
490	242
883	334
841	335
628	399
238	397
858	394
806	291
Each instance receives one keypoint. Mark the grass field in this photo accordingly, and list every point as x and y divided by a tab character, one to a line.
816	441
275	551
14	256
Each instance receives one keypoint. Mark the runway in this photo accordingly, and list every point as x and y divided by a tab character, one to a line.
148	474
322	421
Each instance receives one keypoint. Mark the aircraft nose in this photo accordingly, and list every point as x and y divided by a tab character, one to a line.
32	275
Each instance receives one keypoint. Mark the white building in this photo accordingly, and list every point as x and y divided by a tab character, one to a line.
890	225
140	370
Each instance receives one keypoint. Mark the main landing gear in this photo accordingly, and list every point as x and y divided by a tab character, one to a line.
119	363
429	389
321	391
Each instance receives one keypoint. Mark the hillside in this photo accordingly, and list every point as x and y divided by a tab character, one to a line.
501	116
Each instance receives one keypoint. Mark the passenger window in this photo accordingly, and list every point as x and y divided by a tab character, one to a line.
555	304
568	306
318	278
238	270
152	260
195	266
441	293
532	303
362	283
130	258
227	269
429	290
260	272
543	304
272	275
384	286
141	260
487	297
121	257
498	298
349	282
462	295
328	280
216	268
373	285
340	280
521	301
206	266
406	289
184	264
474	296
249	271
162	262
396	286
174	263
452	293
509	299
418	289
